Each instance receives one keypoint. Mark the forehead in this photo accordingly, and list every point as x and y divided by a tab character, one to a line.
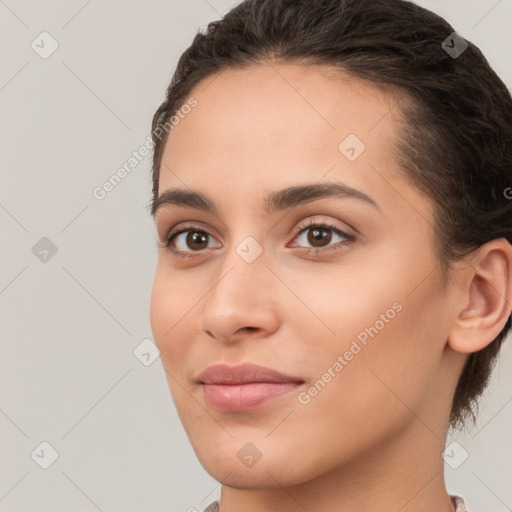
280	123
271	95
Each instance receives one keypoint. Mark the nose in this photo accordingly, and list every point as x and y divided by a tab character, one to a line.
241	300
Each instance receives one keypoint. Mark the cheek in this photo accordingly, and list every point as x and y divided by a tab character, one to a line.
160	309
170	316
170	313
375	395
385	329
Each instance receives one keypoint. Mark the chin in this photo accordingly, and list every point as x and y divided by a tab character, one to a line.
274	469
261	476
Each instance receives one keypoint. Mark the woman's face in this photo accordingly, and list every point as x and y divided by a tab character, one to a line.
357	311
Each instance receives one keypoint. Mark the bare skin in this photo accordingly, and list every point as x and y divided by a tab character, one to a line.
372	438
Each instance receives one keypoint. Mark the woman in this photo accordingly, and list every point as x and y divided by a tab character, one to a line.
334	277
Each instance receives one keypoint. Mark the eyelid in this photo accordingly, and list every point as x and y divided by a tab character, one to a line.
347	239
302	227
325	224
174	232
191	225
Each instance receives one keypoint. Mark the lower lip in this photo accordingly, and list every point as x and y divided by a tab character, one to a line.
245	397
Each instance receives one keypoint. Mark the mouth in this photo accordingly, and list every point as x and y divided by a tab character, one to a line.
245	397
244	387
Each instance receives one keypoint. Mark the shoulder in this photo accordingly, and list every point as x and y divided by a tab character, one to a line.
214	507
460	506
458	501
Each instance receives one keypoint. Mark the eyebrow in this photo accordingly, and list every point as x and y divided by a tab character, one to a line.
275	201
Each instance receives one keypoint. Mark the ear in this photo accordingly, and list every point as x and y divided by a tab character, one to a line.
486	297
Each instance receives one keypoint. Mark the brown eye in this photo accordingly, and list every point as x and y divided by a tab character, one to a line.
196	240
319	237
187	241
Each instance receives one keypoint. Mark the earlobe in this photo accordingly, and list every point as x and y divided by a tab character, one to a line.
486	297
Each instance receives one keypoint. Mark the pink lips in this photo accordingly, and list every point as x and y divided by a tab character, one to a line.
244	387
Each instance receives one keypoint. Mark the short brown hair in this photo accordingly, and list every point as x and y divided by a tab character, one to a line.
458	149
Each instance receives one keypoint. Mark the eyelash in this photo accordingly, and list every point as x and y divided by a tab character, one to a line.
168	242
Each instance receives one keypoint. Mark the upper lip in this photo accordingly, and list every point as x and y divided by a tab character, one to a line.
242	374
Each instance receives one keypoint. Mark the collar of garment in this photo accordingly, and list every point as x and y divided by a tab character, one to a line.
458	502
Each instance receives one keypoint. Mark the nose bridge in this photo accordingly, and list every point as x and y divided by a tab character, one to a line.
240	295
239	275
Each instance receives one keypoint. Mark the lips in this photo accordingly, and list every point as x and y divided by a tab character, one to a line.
243	374
244	387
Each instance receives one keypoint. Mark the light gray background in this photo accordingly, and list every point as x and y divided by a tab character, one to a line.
69	326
